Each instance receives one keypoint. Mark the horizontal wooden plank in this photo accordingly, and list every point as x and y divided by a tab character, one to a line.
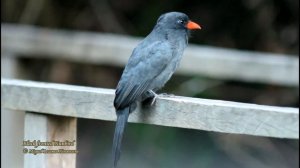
112	49
173	111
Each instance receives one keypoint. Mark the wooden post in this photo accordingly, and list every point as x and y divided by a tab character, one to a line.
56	131
12	121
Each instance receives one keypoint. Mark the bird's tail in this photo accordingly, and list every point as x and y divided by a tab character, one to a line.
122	117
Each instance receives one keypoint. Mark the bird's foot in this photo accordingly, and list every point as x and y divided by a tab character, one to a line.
150	98
154	97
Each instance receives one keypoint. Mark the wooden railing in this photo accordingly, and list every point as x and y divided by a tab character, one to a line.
111	49
172	111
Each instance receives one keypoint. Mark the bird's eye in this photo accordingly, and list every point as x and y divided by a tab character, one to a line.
180	21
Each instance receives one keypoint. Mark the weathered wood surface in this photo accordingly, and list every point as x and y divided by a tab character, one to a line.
48	128
35	129
12	122
183	112
111	49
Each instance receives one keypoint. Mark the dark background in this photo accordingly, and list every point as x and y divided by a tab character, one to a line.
256	25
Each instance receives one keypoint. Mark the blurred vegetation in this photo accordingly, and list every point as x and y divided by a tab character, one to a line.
257	25
264	25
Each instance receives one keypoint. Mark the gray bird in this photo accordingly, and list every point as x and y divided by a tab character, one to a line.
150	66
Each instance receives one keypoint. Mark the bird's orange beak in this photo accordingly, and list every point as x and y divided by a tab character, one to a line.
192	25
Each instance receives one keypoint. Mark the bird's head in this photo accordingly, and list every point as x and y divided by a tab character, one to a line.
177	20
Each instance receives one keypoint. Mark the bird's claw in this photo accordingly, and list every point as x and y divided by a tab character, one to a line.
150	98
153	101
153	98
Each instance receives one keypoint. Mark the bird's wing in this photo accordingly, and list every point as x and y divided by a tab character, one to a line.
143	66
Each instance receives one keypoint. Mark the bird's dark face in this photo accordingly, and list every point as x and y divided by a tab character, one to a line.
176	20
